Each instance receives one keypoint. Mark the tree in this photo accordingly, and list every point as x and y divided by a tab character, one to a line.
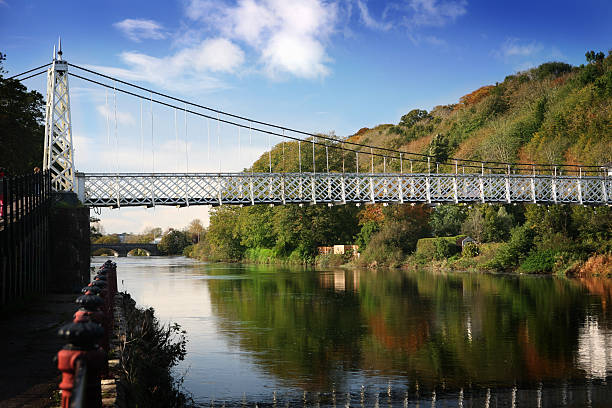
173	243
107	239
439	148
593	57
196	229
414	116
95	229
446	220
488	223
22	128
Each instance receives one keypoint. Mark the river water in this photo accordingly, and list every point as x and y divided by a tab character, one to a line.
279	336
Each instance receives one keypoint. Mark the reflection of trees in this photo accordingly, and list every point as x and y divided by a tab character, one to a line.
460	328
295	329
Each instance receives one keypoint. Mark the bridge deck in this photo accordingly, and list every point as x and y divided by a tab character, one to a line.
141	189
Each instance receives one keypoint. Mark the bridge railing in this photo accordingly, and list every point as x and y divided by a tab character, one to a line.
24	235
141	189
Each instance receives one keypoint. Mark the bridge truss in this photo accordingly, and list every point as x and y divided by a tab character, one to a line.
175	189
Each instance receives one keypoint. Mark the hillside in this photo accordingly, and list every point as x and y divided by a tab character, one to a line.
553	113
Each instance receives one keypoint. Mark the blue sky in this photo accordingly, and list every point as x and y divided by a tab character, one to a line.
311	64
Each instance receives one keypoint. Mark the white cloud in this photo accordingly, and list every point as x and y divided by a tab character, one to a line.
123	118
187	70
289	37
414	14
436	13
369	21
140	29
513	47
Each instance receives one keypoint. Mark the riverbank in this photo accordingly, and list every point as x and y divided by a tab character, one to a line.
478	258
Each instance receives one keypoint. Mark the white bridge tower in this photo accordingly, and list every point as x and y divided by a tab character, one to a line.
58	153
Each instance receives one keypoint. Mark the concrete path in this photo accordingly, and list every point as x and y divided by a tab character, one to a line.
28	344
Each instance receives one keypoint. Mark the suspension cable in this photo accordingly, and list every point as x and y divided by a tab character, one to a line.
235	123
300	156
116	133
107	120
151	92
186	147
142	160
152	138
208	127
28	71
219	141
313	157
176	141
327	138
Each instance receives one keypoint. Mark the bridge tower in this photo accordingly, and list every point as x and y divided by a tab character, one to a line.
58	151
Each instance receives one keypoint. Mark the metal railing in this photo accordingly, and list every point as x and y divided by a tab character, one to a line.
24	235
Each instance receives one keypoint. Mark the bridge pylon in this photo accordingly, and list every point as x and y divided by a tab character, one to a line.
58	150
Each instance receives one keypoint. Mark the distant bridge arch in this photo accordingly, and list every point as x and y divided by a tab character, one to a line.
122	249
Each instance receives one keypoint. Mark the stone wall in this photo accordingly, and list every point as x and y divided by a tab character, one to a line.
69	244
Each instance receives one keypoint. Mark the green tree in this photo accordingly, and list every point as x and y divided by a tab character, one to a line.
22	128
173	243
439	148
414	116
223	241
446	220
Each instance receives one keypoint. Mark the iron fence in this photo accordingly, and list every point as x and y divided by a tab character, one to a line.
24	235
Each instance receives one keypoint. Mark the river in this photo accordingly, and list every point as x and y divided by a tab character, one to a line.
277	335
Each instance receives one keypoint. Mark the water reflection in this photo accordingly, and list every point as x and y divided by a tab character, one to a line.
346	335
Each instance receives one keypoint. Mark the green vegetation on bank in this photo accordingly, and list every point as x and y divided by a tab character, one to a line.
554	113
148	355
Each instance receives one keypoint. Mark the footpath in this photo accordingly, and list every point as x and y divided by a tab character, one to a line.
29	343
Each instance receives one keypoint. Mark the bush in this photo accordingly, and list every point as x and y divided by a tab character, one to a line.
551	69
446	220
470	250
514	251
173	243
150	350
260	255
438	248
445	249
368	229
539	262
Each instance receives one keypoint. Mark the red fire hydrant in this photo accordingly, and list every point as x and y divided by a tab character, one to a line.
81	353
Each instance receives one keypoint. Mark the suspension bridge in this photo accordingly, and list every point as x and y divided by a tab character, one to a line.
449	181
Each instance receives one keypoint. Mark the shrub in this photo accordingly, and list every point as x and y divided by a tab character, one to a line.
539	262
438	248
470	250
446	220
514	251
150	350
368	229
173	243
445	249
551	69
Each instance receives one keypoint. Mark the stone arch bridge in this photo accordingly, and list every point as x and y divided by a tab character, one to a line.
122	249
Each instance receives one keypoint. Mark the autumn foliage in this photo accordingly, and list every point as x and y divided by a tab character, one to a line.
476	96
